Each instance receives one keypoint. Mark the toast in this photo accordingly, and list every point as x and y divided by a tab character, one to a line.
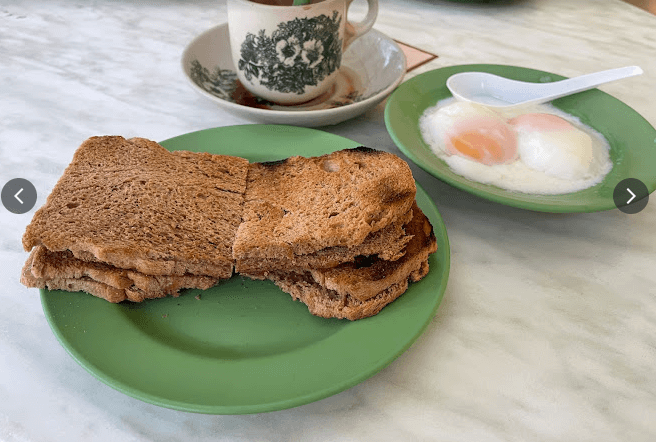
366	276
61	270
300	206
388	244
101	290
129	220
134	205
327	304
361	289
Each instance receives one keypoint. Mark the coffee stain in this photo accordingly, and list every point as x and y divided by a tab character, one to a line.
344	91
349	89
321	98
242	96
349	33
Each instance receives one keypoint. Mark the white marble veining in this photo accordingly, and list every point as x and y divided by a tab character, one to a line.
547	331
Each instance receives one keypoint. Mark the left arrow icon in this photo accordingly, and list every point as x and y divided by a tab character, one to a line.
16	196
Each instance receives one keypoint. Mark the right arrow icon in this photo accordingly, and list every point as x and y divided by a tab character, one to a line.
632	195
638	192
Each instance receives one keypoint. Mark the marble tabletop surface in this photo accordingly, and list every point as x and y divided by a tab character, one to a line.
547	331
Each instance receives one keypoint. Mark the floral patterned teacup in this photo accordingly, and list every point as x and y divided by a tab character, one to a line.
291	54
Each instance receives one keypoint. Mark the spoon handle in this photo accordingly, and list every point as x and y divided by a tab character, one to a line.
589	81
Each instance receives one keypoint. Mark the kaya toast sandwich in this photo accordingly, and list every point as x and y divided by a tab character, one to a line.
344	279
131	212
360	289
308	213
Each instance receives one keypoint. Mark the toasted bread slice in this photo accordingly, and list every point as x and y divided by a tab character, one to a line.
328	304
299	206
87	285
361	289
366	277
62	271
134	205
388	244
47	265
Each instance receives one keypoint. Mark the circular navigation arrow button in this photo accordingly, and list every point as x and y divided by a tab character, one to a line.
631	195
18	195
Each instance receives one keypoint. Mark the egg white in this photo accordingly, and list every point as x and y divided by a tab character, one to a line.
447	121
565	171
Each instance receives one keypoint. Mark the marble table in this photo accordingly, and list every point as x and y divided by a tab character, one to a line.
547	331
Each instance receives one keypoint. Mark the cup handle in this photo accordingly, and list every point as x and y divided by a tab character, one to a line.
355	30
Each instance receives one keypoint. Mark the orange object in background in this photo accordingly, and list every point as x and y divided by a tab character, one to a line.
415	57
647	5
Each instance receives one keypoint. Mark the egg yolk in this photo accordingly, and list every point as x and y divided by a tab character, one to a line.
541	122
478	147
484	142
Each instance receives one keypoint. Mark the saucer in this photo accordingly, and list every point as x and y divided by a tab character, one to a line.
371	68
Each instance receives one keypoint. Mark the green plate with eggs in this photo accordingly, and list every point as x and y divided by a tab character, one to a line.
632	139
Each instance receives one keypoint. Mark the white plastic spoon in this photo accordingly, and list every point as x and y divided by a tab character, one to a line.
498	92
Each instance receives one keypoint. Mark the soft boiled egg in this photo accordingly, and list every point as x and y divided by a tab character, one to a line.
475	132
553	145
539	149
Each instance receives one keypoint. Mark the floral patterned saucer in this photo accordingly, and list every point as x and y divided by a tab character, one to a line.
371	68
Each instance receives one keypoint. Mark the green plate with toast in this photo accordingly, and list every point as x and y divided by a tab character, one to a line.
632	139
243	346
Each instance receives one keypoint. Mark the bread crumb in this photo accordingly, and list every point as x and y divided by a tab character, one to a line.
198	297
165	315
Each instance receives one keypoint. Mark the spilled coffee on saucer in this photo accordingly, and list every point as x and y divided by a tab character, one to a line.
282	2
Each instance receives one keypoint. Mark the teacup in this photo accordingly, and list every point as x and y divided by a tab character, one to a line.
291	54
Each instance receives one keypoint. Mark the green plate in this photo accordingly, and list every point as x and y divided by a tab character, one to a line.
632	139
244	346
